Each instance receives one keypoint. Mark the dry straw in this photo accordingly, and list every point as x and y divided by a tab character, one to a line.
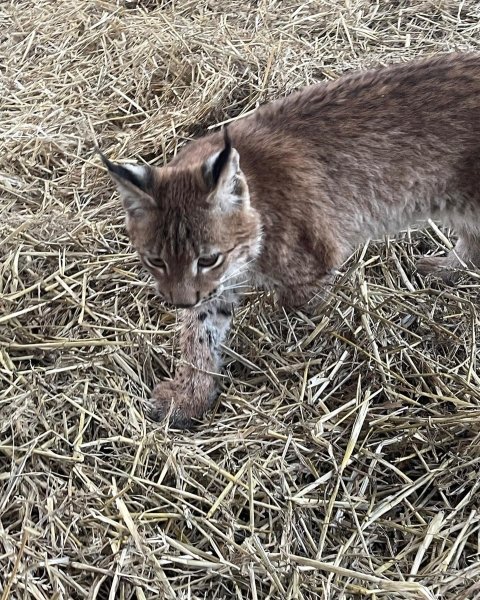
342	460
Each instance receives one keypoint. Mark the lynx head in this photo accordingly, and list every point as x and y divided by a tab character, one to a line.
192	226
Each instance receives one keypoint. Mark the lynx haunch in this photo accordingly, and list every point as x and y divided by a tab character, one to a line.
282	200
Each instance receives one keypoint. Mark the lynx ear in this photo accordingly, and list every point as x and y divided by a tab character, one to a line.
223	177
133	184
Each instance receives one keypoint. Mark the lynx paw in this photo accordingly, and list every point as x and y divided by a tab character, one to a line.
441	267
169	399
184	404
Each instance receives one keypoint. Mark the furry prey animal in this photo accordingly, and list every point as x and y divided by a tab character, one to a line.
283	199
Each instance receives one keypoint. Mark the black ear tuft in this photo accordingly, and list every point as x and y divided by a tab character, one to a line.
223	157
213	171
138	175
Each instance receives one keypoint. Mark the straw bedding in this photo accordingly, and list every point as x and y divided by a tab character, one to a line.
342	460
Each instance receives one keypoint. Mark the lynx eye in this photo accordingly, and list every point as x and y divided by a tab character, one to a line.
155	262
210	261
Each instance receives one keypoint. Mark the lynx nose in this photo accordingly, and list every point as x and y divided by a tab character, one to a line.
177	305
185	298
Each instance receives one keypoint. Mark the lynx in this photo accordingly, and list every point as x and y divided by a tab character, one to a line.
281	199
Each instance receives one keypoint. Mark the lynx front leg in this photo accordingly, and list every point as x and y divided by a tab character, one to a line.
193	388
307	297
306	281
